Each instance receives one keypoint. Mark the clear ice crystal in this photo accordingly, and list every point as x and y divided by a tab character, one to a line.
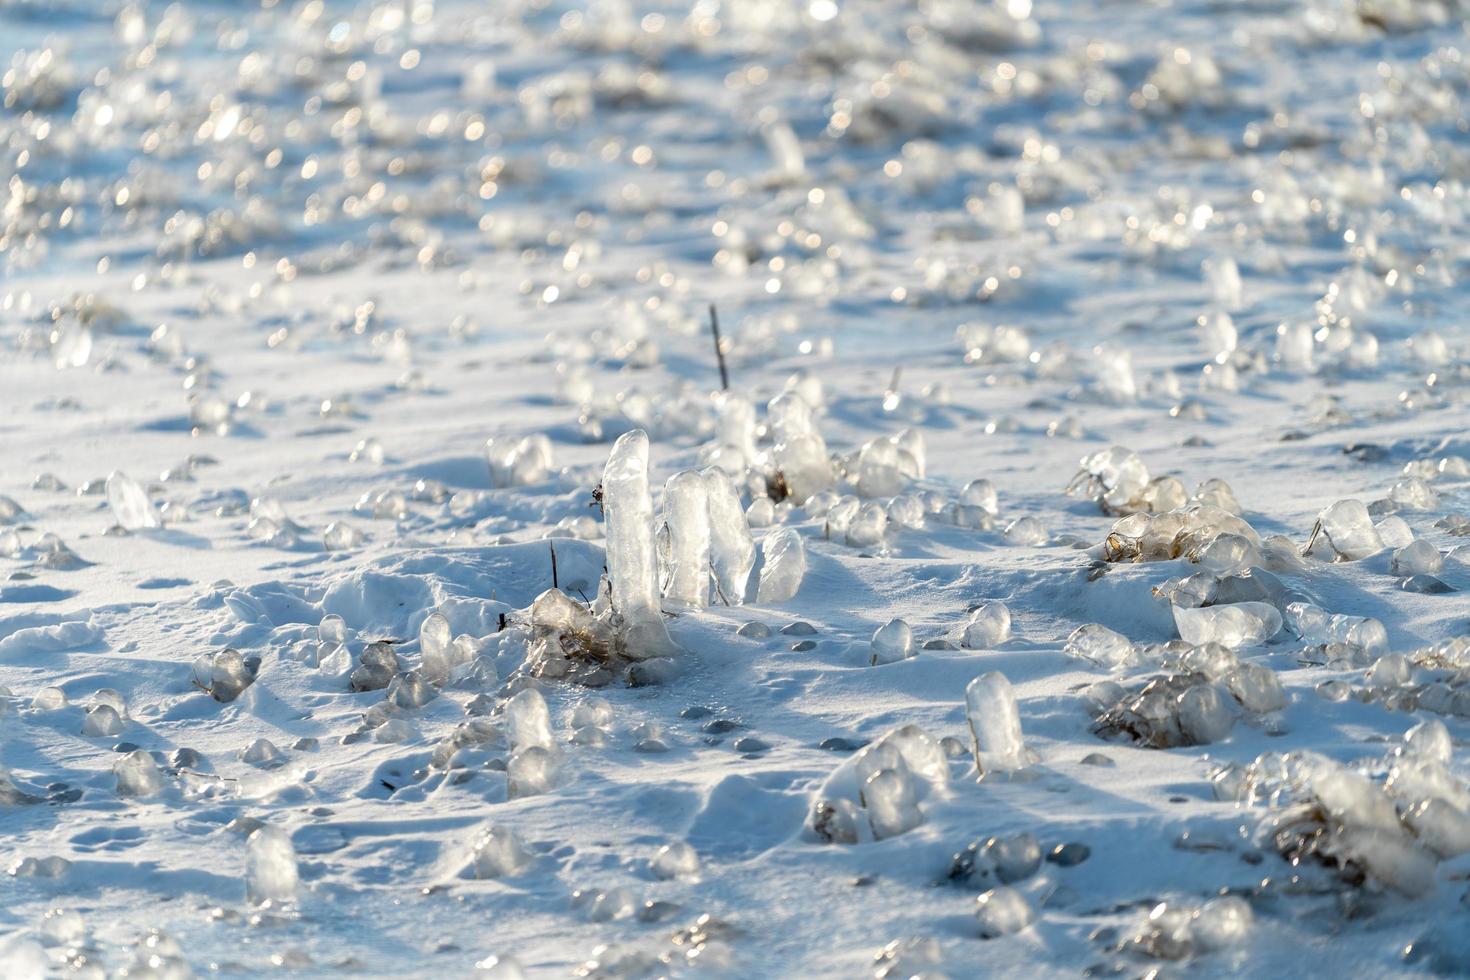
137	775
784	566
995	724
988	627
675	860
1102	646
891	802
528	720
498	852
130	505
732	550
1003	911
687	513
632	557
1233	626
270	867
892	642
1348	530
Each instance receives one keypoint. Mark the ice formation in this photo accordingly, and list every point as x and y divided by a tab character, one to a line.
498	852
995	725
130	505
783	568
732	551
687	516
892	642
270	867
632	559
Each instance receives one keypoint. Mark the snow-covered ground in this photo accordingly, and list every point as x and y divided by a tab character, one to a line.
272	274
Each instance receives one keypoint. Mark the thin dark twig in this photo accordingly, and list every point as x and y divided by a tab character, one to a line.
714	326
555	583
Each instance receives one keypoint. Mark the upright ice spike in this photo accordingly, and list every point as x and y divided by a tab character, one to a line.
732	552
686	507
632	559
995	724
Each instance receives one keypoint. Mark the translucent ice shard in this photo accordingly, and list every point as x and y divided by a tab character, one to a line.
785	150
632	558
878	470
804	466
1236	625
270	867
1417	558
437	655
687	511
528	721
530	771
129	502
784	567
995	724
732	551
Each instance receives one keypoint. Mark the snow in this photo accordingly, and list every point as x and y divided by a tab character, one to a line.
399	577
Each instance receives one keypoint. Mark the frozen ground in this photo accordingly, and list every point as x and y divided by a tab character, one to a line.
289	265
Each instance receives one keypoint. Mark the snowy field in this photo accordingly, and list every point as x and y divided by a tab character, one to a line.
1070	582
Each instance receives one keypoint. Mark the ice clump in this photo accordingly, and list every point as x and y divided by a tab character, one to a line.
1114	477
892	642
525	463
437	652
223	675
1197	707
891	803
1179	931
989	626
1026	532
1235	625
528	720
632	558
1419	557
1347	530
341	536
1322	813
137	775
1349	639
876	793
498	852
1102	646
676	860
995	724
130	504
1200	532
270	867
102	720
1002	911
784	566
378	668
997	860
531	771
